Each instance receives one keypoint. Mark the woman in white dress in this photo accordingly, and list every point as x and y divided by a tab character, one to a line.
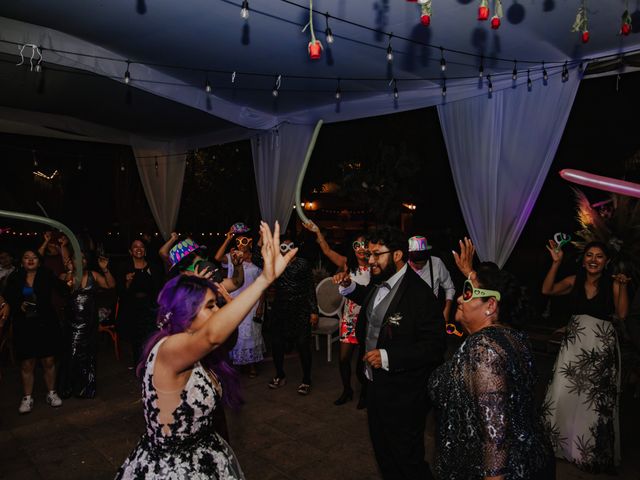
581	405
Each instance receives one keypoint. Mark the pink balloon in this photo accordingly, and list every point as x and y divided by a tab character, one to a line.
601	183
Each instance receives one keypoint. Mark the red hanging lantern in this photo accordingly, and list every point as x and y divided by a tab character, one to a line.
425	19
483	10
315	50
425	12
585	36
625	29
495	22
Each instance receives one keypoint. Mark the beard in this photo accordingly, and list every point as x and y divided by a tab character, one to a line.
386	273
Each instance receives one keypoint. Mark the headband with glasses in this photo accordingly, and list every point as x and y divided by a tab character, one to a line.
469	292
285	247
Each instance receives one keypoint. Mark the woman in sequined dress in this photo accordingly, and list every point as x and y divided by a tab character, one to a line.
581	405
488	424
183	376
78	367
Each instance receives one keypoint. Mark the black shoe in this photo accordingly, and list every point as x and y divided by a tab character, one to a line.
346	396
362	402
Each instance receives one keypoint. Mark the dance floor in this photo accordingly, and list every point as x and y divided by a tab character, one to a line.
276	435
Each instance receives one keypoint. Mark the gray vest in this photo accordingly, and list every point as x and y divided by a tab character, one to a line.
376	316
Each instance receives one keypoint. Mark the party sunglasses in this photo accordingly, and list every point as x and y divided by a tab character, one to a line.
243	241
285	247
469	292
358	245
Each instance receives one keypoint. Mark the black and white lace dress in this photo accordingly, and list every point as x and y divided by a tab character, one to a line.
187	448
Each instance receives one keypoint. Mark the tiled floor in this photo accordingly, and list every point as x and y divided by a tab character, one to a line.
276	435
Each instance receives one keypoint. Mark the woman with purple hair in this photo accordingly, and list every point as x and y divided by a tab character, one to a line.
182	375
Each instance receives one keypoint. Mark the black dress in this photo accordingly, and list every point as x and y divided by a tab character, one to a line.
36	331
78	372
488	423
137	309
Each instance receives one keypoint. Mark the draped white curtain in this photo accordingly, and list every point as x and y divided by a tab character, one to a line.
161	167
500	151
278	155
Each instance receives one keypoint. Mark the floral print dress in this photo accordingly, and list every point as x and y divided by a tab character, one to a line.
351	309
187	448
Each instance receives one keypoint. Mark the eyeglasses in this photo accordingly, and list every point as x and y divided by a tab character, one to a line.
243	241
358	245
285	247
469	292
375	255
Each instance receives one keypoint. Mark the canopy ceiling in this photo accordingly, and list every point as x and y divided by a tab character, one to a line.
209	35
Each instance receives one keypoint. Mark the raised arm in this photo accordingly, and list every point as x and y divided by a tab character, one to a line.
179	352
46	239
220	254
166	247
335	258
105	279
236	280
621	295
549	285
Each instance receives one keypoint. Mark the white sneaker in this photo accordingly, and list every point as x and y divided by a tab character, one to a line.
26	404
53	399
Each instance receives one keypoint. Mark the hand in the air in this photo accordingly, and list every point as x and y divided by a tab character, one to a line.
556	253
343	279
464	259
274	262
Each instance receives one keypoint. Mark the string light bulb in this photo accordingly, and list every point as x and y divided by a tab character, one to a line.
35	161
127	74
207	86
481	68
244	11
122	166
444	87
79	165
514	73
529	82
489	84
338	91
545	75
327	32
565	72
443	62
390	50
276	86
396	94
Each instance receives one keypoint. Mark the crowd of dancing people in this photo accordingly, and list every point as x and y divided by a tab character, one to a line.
194	319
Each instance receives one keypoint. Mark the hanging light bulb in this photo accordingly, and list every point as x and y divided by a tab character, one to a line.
328	33
207	86
338	91
545	75
35	161
514	73
444	87
390	50
276	86
489	84
122	166
529	82
443	62
156	166
481	68
244	11
565	72
395	89
79	165
127	75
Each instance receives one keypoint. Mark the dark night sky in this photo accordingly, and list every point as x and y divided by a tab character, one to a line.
600	135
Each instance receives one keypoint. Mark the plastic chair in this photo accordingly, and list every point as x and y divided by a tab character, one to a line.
330	304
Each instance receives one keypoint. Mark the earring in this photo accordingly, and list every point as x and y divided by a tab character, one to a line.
487	313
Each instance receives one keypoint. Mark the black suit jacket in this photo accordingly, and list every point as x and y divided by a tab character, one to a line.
416	345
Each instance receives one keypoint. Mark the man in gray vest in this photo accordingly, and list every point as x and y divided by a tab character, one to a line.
401	331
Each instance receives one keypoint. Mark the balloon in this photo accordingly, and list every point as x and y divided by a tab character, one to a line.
601	183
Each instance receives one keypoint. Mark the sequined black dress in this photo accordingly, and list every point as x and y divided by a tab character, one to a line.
78	372
488	423
193	450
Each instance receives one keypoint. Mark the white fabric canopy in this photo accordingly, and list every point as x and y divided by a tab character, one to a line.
278	156
500	152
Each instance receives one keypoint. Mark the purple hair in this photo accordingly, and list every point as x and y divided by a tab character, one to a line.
181	298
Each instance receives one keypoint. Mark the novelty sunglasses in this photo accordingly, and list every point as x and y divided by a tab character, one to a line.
285	247
469	292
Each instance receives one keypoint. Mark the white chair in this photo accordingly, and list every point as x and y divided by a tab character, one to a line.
330	304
